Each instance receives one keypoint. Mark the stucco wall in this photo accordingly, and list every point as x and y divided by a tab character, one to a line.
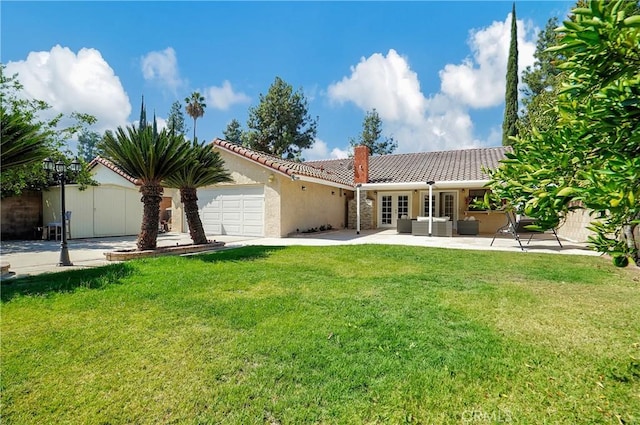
21	216
287	207
243	172
315	206
490	221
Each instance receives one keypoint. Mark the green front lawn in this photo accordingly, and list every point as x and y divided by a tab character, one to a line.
349	334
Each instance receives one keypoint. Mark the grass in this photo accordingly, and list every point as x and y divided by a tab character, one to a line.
350	334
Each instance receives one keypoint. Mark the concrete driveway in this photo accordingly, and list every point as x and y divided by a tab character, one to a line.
35	257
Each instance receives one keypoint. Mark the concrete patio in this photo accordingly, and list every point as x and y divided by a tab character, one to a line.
35	257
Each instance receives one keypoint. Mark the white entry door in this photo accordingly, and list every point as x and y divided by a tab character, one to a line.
392	206
232	211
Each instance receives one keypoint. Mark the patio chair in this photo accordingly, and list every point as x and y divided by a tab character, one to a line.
516	226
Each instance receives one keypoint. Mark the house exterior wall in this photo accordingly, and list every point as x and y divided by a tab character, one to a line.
97	211
489	221
246	173
113	208
287	208
317	205
79	203
21	216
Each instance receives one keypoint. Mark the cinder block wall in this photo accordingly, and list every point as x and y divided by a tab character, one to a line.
21	216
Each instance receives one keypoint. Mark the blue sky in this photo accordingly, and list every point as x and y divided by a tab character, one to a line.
433	70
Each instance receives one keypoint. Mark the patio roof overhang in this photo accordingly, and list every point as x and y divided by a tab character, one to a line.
443	184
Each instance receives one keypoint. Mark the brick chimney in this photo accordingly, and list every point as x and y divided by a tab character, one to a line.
361	164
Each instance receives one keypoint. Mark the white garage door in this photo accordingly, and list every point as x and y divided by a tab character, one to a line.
232	211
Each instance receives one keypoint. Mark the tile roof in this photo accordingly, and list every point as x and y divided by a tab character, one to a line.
455	165
113	167
282	165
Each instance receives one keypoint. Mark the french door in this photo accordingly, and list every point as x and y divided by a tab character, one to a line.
443	203
392	207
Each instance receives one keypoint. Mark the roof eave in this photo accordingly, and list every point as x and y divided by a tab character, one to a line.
302	177
441	184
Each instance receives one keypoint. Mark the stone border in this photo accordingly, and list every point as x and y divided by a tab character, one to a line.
5	273
169	250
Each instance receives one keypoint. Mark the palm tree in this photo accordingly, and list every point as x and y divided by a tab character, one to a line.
195	108
203	167
21	142
150	157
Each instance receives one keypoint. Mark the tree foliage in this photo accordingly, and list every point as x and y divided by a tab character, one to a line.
281	124
175	121
48	135
543	81
88	142
202	167
21	141
150	156
540	77
371	136
233	133
590	157
195	108
509	127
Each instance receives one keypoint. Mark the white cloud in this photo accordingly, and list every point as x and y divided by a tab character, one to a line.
69	82
439	121
480	81
417	123
224	97
320	150
386	83
162	66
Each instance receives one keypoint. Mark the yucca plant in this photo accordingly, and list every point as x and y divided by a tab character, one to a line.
149	156
202	167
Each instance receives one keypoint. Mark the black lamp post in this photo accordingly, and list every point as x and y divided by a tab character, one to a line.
58	171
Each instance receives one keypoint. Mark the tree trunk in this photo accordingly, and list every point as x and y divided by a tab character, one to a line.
629	231
189	198
151	197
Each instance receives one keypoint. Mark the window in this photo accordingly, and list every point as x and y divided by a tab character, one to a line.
477	195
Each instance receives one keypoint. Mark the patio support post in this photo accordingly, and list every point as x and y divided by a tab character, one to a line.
430	183
358	186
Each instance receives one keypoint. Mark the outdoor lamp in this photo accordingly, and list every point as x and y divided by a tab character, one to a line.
58	170
47	164
75	165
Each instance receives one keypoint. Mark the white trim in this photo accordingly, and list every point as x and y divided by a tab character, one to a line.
304	178
444	184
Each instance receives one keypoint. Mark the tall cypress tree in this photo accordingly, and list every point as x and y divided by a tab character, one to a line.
143	116
509	127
